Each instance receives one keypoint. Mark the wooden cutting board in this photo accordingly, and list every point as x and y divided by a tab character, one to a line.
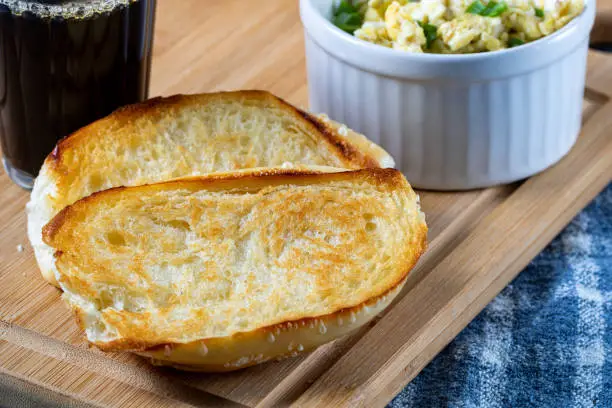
479	241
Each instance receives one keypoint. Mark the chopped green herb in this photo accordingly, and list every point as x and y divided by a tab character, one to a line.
431	32
539	12
347	17
492	9
514	42
476	8
495	9
345	7
348	22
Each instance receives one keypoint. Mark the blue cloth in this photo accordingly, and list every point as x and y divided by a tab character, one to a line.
545	340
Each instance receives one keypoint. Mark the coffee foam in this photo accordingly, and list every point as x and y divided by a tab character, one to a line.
75	9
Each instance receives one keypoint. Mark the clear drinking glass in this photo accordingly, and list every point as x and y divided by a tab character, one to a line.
64	64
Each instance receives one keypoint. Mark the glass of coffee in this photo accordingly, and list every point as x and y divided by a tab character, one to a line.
64	64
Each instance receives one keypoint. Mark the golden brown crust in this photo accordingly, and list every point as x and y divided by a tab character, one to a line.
252	179
297	335
349	151
135	345
167	138
291	333
155	107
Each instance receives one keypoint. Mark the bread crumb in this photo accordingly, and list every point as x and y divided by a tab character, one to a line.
19	248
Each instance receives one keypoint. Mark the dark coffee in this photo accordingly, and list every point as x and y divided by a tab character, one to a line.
64	64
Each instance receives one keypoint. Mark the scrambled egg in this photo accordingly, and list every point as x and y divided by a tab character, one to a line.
461	26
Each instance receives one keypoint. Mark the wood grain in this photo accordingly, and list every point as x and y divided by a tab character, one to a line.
479	240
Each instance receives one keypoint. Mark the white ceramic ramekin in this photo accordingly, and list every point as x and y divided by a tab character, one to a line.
453	121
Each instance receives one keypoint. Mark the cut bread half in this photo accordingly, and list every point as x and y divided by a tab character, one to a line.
224	271
187	135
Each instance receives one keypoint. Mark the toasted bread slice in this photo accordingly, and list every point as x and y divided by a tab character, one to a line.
221	272
187	135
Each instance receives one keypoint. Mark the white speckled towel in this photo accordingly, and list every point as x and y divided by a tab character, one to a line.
545	341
